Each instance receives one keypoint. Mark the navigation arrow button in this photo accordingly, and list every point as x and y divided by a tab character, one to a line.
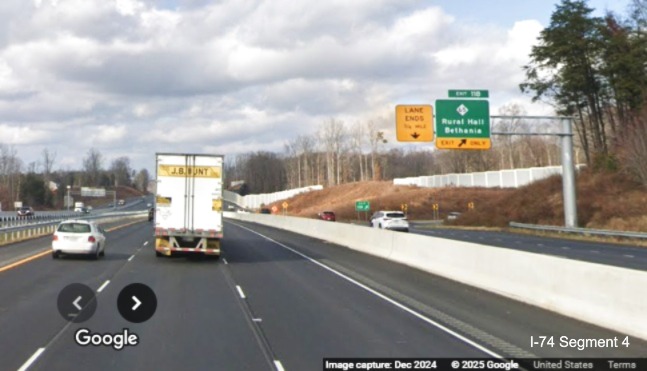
76	303
144	299
137	303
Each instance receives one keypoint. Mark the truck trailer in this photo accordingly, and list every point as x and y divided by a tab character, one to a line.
188	204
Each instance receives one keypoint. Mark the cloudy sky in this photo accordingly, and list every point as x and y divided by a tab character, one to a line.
135	77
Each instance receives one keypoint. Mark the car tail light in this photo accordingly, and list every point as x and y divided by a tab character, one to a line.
55	238
92	239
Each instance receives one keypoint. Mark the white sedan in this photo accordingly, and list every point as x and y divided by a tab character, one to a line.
393	220
79	237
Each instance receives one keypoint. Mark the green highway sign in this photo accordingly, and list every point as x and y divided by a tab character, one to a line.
362	206
462	124
468	94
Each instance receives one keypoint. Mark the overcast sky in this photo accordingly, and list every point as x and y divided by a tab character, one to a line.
133	78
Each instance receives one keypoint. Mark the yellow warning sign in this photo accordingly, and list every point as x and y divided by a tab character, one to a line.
190	171
462	143
414	123
216	204
163	201
285	205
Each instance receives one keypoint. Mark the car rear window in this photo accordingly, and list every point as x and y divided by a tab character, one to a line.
74	228
395	215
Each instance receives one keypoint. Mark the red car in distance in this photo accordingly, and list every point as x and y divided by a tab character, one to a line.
327	215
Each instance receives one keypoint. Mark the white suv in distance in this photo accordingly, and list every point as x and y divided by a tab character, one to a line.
393	220
79	237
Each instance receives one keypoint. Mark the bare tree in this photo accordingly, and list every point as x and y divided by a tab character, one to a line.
142	179
92	164
10	168
48	163
292	165
512	125
376	138
305	146
357	141
121	172
333	133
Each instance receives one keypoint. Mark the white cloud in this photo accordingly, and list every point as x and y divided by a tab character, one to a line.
131	76
108	134
128	7
22	134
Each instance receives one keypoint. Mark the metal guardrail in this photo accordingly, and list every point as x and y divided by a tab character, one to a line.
584	231
13	221
55	221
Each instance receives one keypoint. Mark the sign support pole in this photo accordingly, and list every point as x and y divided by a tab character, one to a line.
568	177
569	193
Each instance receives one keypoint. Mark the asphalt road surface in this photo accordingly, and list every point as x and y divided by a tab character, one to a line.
626	256
275	300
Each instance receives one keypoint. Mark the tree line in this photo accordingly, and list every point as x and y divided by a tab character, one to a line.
595	69
340	152
38	184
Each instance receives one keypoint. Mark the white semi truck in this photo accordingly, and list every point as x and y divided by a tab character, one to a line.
78	207
188	204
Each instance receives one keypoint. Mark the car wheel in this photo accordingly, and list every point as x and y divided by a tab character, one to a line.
54	254
158	254
380	226
406	230
95	256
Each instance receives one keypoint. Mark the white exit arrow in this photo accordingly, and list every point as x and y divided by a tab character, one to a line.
137	303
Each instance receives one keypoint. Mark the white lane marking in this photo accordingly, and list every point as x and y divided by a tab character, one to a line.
31	359
145	243
240	292
595	251
382	296
224	261
629	256
565	248
540	244
103	286
131	257
257	319
279	366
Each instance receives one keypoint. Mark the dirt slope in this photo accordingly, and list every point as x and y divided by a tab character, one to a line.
607	201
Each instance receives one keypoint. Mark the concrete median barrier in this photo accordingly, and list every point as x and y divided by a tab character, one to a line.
603	295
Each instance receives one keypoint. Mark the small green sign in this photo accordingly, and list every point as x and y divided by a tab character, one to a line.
468	94
362	206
